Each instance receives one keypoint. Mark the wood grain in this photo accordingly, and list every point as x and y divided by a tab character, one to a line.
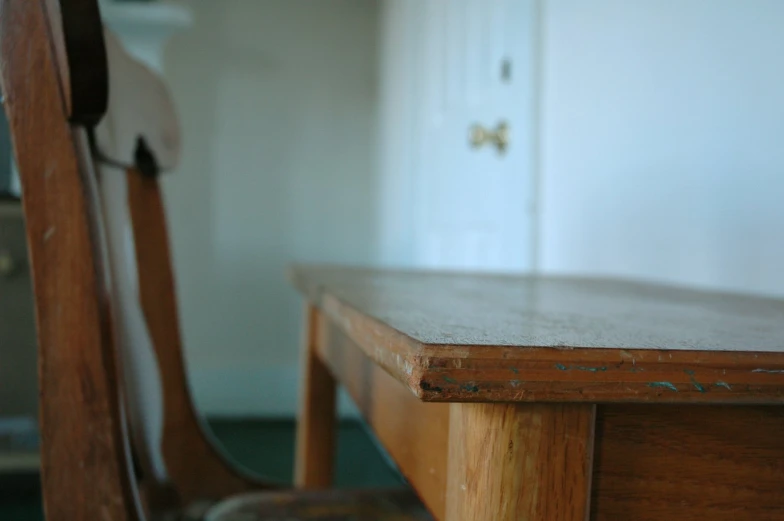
315	456
196	467
520	461
690	463
414	433
479	338
652	462
85	471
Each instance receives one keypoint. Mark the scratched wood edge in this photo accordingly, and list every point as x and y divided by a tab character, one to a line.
445	373
395	352
635	468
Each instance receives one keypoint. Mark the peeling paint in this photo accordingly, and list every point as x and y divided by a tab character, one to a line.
562	367
591	369
427	387
723	384
772	371
514	383
471	388
666	385
697	385
514	370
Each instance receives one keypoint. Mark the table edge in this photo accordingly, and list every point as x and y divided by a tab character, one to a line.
446	373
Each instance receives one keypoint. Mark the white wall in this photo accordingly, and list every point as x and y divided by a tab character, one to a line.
663	140
277	100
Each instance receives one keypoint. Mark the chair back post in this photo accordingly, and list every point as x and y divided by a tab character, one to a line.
137	140
46	48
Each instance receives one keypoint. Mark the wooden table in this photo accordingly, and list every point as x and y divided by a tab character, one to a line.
531	398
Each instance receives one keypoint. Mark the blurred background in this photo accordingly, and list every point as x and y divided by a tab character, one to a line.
645	140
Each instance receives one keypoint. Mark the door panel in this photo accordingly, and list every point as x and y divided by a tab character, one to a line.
475	204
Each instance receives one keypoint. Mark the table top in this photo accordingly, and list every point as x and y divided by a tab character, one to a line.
482	337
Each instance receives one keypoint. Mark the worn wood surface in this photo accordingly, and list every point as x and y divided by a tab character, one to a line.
414	433
314	468
196	466
690	463
652	462
460	337
520	461
85	470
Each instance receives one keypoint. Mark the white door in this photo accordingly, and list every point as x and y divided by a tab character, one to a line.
473	65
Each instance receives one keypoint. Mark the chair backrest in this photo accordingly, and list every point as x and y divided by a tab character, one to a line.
105	301
86	463
139	132
138	139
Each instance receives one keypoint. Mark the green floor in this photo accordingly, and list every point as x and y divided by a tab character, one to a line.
262	446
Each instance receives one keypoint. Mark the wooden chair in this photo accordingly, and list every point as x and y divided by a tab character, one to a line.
92	129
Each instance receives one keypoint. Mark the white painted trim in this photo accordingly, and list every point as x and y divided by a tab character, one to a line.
251	392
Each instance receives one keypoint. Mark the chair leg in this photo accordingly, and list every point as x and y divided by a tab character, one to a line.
316	426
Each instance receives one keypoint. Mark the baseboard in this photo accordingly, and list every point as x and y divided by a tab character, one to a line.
20	486
253	392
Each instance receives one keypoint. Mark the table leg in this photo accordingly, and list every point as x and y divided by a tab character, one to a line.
316	425
520	461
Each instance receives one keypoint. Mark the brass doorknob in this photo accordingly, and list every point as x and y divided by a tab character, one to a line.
478	136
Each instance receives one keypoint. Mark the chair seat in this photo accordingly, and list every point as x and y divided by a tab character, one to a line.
327	505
